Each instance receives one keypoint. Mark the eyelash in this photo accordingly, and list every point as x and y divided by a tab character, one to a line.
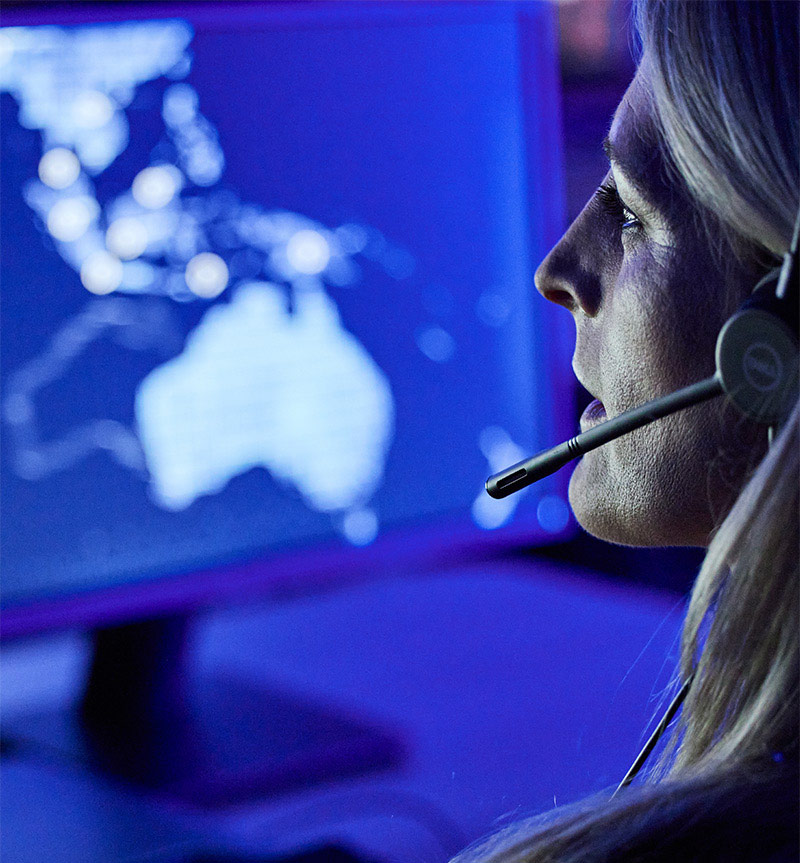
612	203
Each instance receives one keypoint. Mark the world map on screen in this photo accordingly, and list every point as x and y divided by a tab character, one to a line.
269	359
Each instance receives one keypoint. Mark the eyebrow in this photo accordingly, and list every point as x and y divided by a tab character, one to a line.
625	166
613	154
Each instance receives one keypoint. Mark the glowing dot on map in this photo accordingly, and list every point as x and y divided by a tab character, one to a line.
399	263
59	168
127	238
92	110
360	526
491	514
30	464
352	238
70	218
155	187
437	344
308	252
207	275
204	165
17	409
552	513
493	309
101	273
180	105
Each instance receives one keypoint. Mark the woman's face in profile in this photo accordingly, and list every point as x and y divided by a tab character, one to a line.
647	301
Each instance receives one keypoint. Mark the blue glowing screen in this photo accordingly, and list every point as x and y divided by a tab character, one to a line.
267	286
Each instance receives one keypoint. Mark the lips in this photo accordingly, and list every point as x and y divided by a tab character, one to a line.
583	382
595	413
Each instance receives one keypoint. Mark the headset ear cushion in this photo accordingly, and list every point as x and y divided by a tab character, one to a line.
757	355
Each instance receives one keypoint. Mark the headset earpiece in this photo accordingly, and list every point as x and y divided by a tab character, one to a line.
757	351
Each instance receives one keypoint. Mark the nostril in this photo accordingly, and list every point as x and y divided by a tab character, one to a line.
555	278
561	298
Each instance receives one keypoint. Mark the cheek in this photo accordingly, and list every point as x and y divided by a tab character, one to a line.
652	486
637	347
659	331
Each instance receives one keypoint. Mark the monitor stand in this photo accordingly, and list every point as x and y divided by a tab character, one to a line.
145	719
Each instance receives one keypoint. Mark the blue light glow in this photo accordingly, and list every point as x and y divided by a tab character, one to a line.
59	168
437	344
553	513
263	333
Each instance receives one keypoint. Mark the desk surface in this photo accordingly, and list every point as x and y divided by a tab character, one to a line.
514	684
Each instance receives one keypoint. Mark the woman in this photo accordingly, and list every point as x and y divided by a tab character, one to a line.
698	205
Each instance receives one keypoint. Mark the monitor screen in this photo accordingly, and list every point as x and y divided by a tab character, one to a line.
267	283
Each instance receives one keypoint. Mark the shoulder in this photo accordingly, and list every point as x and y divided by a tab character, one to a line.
738	820
730	816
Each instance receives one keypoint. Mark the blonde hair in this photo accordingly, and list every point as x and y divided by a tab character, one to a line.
724	78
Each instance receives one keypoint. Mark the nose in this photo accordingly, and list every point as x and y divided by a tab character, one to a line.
551	286
566	276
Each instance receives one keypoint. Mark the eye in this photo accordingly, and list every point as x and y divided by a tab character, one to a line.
612	203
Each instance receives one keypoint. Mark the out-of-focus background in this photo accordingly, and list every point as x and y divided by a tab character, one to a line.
267	324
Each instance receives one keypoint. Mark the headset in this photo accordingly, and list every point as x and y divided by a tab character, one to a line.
757	368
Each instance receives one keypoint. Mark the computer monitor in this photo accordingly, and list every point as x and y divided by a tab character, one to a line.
267	307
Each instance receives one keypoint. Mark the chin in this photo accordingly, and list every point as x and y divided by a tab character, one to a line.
670	485
613	511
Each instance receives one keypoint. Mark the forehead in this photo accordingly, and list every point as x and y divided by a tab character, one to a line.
632	143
